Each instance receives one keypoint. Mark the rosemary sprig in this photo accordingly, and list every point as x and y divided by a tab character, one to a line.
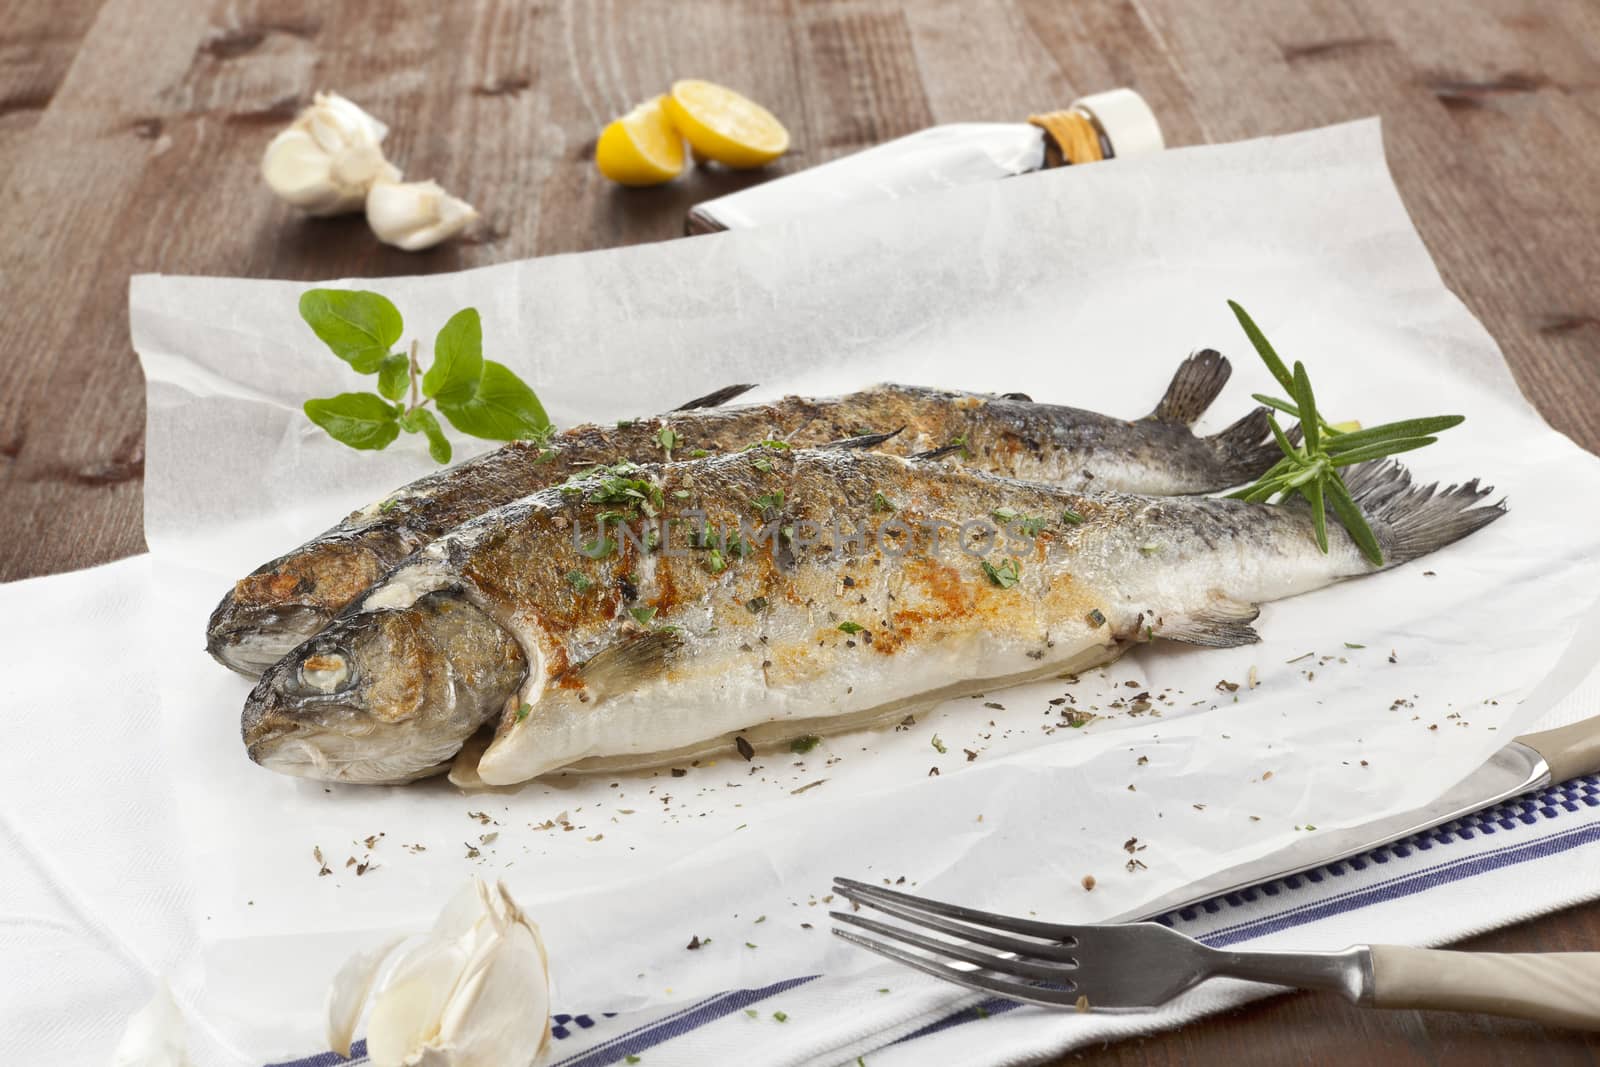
1311	466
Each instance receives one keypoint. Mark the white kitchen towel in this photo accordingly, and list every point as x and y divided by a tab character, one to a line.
1511	861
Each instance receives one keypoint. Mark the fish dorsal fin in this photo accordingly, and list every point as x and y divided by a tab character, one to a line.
1195	385
716	399
629	663
1222	623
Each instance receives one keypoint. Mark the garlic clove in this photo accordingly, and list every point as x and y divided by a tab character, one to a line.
500	1012
405	1015
475	992
155	1035
349	991
328	157
415	215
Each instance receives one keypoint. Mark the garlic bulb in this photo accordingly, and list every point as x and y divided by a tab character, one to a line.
329	156
415	215
154	1036
474	993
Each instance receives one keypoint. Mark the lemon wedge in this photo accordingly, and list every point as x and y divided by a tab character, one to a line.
641	148
724	126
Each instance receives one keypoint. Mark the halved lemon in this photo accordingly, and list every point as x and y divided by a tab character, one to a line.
722	125
640	148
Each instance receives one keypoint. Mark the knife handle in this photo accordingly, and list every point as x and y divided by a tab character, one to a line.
1569	751
1555	988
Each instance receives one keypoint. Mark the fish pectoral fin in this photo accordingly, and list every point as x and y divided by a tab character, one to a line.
1195	385
1223	623
629	663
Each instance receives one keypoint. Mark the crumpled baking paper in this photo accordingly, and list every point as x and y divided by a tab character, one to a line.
1082	286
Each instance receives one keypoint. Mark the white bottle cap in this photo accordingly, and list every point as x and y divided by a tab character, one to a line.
1125	119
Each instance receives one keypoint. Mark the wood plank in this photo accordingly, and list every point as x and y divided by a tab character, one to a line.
38	42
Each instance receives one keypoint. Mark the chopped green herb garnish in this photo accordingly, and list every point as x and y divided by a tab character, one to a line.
851	627
1149	548
388	505
1096	619
630	1058
1352	644
780	1016
762	464
599	548
1005	575
523	711
749	944
699	453
768	443
939	745
642	615
1070	517
800	746
579	581
882	503
715	563
668	439
751	1012
623	424
766	501
680	494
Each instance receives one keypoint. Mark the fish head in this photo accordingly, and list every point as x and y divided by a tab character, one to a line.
270	612
384	696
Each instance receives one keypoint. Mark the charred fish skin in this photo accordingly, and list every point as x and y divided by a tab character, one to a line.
636	647
287	599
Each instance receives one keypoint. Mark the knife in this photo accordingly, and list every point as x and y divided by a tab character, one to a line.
1529	762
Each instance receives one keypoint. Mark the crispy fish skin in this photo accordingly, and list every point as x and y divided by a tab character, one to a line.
645	653
290	598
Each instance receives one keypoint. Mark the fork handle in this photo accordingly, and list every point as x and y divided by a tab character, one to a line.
1556	988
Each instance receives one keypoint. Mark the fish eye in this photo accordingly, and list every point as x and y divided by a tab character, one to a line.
324	672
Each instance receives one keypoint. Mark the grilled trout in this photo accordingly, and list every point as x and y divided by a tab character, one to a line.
287	600
647	614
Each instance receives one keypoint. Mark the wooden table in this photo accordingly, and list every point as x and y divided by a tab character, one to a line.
130	132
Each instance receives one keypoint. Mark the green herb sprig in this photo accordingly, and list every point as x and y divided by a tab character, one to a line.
479	397
1311	468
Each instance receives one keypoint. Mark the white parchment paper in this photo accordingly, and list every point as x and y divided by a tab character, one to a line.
1082	286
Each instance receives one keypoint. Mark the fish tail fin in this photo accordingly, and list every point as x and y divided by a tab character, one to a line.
1247	448
1410	520
1195	385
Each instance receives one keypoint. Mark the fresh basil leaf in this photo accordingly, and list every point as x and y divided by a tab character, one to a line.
421	420
457	360
502	409
360	420
392	376
360	326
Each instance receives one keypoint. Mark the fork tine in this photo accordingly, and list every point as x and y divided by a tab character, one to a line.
1053	951
1009	923
1022	968
979	980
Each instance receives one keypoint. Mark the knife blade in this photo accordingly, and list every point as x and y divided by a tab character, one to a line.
1529	762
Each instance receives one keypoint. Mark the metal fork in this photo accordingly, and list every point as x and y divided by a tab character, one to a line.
1143	965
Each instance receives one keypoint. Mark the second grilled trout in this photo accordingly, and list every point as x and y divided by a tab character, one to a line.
800	592
292	597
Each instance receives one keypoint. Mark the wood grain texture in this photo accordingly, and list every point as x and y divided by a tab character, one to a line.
130	132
